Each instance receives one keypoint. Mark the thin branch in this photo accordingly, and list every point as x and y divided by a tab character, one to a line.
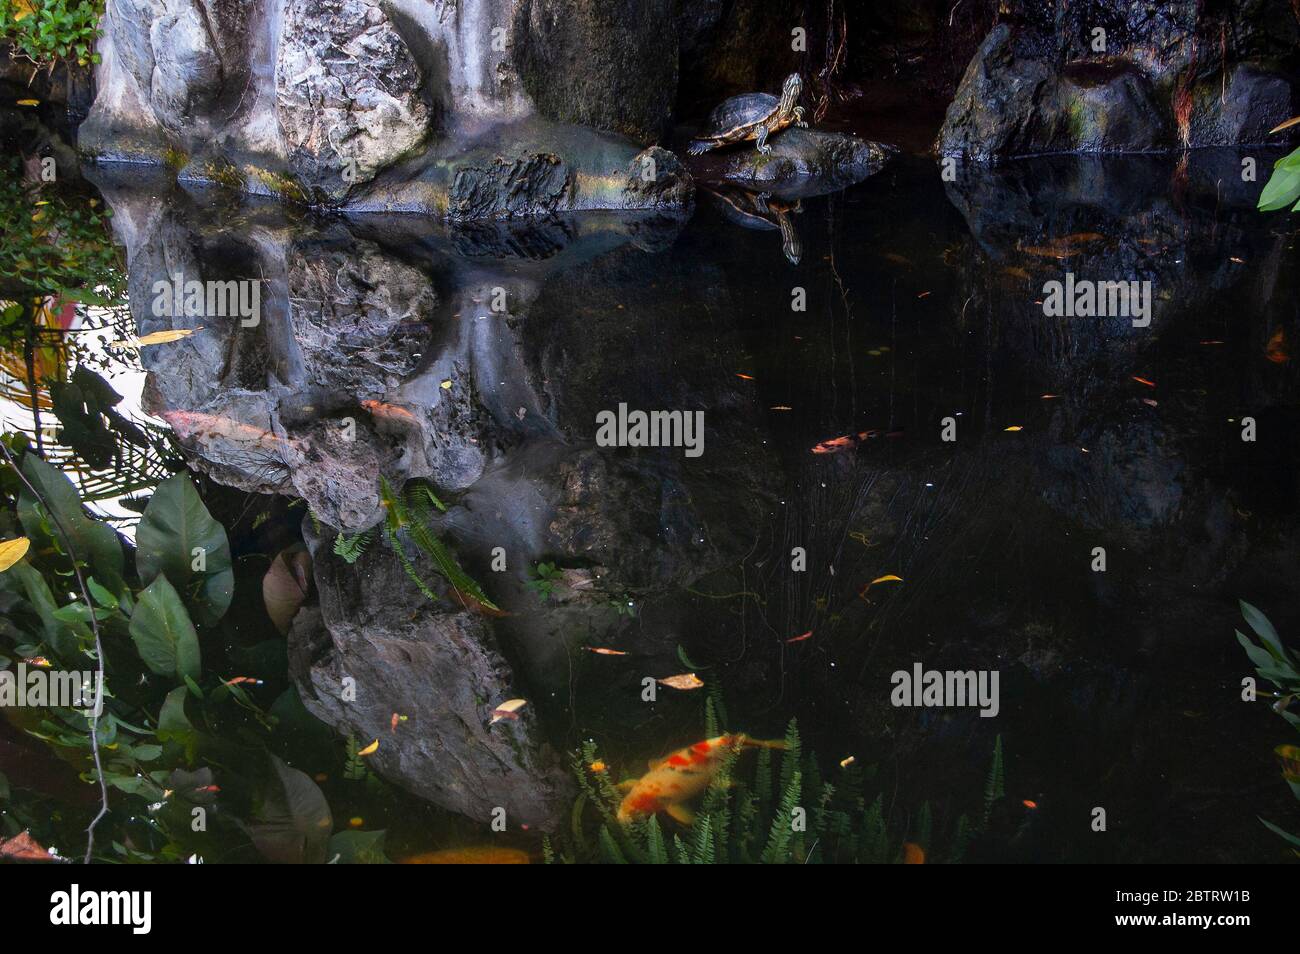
99	649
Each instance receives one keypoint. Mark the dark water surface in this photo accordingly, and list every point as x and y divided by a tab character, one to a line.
1119	689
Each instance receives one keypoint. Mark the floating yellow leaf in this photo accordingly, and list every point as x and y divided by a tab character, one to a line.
887	578
508	710
29	102
687	680
370	749
11	551
845	763
446	385
1286	125
1013	428
157	337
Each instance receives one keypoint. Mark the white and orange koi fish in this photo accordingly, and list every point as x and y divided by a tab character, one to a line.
682	776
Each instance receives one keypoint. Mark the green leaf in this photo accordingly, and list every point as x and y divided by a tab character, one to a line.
175	525
1279	831
1281	190
94	543
1264	629
174	725
163	634
357	848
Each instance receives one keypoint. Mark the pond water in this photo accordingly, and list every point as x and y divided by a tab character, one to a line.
833	343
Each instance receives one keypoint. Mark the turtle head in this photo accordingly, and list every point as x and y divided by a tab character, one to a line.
790	93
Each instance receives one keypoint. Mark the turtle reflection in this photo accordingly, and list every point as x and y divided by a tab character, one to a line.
761	210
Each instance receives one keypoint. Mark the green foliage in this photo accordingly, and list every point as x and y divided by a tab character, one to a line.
408	515
1283	186
57	240
1278	665
162	712
351	547
163	634
178	538
547	580
48	30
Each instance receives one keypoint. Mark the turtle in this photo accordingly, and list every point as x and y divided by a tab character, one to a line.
751	116
759	210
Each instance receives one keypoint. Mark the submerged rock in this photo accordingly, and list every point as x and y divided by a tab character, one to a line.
376	647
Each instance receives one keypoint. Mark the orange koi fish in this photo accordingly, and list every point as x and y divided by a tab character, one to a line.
680	777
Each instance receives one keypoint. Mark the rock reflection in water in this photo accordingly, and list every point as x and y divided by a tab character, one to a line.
389	324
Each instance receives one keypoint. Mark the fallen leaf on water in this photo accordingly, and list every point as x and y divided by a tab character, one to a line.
446	385
887	578
29	102
1064	247
1286	125
687	680
1013	428
845	763
23	847
781	407
1048	397
1276	352
370	749
508	710
1149	384
602	651
800	639
11	551
157	337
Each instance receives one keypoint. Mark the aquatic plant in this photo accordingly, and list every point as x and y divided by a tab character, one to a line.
1276	664
409	515
778	810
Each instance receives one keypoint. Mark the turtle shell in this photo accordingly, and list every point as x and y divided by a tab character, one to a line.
739	112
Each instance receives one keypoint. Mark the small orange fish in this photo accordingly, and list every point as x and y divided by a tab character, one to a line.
913	854
687	680
800	639
1144	381
1277	351
390	412
681	776
602	651
837	444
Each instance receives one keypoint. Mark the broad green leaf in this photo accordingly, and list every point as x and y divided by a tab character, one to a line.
175	535
163	634
1264	629
95	543
1281	189
292	823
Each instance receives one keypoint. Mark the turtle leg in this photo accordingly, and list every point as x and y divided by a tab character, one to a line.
798	118
763	147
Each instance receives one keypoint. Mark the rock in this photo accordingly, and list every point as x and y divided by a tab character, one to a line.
347	93
440	669
186	76
1043	84
812	159
1241	110
610	64
656	179
530	184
